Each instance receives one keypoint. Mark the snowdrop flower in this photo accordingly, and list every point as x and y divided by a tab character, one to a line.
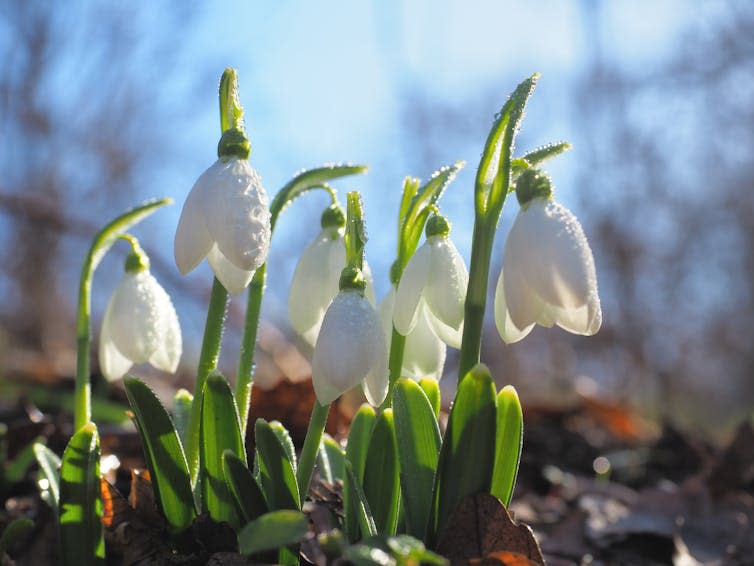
315	281
437	278
549	268
350	349
424	352
140	324
225	218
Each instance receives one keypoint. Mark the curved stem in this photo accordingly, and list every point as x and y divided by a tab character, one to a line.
101	243
311	447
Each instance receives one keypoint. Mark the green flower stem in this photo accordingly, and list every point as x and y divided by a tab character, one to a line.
395	364
102	242
208	359
312	441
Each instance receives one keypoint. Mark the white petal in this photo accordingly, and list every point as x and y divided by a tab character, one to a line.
315	284
451	336
345	351
192	240
509	332
584	320
136	315
168	354
233	279
424	354
524	306
410	290
445	291
369	291
385	314
112	363
238	214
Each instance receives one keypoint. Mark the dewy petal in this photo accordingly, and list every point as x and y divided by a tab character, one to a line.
424	354
509	332
238	214
192	240
135	317
410	289
369	291
168	354
315	283
445	291
524	307
233	279
449	335
345	351
112	363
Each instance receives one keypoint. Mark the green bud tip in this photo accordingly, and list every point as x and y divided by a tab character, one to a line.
533	183
437	225
333	217
234	143
352	278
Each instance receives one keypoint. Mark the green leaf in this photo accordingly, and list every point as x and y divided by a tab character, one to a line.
335	456
14	534
494	172
277	475
323	463
361	511
164	456
273	530
16	470
410	188
356	453
49	464
81	534
431	389
364	555
407	550
535	157
220	431
510	427
243	487
182	412
468	449
308	180
418	448
286	442
381	474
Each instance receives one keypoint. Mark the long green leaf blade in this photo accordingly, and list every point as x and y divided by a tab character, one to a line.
431	389
361	513
418	448
243	487
468	450
182	403
81	533
335	456
49	464
381	474
220	431
510	428
276	473
356	453
164	456
273	530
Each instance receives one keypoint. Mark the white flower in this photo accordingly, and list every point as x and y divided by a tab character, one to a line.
350	350
436	276
315	283
140	325
424	353
549	274
225	218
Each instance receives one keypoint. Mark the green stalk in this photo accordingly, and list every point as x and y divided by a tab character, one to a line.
395	363
101	243
208	359
311	447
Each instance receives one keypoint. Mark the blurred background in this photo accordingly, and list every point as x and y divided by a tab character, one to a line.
104	104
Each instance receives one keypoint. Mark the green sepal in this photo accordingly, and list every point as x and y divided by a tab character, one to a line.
356	453
273	530
509	435
81	533
381	474
277	475
244	489
164	456
468	450
220	431
418	448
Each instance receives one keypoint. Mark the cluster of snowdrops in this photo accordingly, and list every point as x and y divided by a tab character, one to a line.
401	477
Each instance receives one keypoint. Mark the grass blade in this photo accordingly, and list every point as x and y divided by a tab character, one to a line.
510	428
273	530
81	534
164	456
418	449
243	487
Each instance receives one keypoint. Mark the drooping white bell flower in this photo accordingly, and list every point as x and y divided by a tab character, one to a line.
226	218
424	352
549	270
315	281
140	325
437	277
350	349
